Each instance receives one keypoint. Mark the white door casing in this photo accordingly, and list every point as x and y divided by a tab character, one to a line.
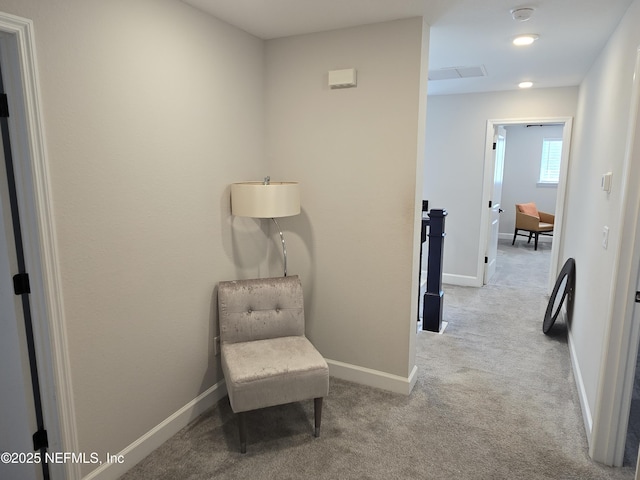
560	197
17	50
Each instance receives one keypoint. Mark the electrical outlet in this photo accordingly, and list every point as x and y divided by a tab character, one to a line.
605	237
216	345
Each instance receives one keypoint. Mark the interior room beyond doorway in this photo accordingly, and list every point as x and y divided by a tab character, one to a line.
526	176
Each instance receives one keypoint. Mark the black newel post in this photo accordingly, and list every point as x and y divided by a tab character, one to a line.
432	310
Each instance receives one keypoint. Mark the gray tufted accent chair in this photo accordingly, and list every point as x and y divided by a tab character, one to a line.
266	359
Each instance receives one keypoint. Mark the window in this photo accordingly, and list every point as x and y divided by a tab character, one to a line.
550	161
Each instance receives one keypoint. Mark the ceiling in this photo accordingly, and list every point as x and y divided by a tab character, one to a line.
464	33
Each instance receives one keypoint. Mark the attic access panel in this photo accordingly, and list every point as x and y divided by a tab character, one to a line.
450	73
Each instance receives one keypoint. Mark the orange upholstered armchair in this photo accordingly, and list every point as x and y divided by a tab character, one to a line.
532	221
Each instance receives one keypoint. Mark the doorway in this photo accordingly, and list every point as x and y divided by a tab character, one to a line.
18	58
490	239
21	410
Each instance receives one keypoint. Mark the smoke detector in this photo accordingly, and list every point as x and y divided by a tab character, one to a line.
522	14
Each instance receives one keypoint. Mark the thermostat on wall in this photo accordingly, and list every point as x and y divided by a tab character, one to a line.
343	78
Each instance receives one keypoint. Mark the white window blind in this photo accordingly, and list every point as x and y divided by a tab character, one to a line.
550	162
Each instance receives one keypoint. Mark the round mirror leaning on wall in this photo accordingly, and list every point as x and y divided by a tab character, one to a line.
565	283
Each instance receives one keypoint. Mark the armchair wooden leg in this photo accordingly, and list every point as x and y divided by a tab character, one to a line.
242	428
530	235
514	237
317	408
536	241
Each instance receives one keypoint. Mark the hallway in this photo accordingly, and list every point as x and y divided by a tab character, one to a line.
514	384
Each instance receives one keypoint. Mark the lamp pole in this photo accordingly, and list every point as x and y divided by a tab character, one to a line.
284	246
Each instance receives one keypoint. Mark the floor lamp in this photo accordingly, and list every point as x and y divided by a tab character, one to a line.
266	199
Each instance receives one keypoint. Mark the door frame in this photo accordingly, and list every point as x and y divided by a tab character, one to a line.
17	47
560	196
618	365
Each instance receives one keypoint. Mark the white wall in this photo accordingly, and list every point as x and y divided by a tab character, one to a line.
522	172
356	153
598	147
453	172
151	110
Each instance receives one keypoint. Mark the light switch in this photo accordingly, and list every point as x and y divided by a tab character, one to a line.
605	183
605	237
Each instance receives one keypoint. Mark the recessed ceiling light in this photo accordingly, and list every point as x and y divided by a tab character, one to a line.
527	39
525	84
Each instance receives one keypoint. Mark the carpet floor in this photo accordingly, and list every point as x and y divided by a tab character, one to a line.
494	399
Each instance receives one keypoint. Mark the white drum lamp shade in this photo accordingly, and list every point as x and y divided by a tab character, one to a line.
260	200
266	200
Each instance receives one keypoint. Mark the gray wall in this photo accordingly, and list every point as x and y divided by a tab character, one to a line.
358	157
148	108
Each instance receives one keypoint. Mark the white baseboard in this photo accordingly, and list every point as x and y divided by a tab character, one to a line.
461	280
159	434
582	392
373	378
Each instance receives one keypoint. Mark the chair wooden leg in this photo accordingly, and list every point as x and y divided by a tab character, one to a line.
530	235
317	408
242	428
536	242
514	237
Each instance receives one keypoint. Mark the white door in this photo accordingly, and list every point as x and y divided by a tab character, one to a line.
17	412
495	202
